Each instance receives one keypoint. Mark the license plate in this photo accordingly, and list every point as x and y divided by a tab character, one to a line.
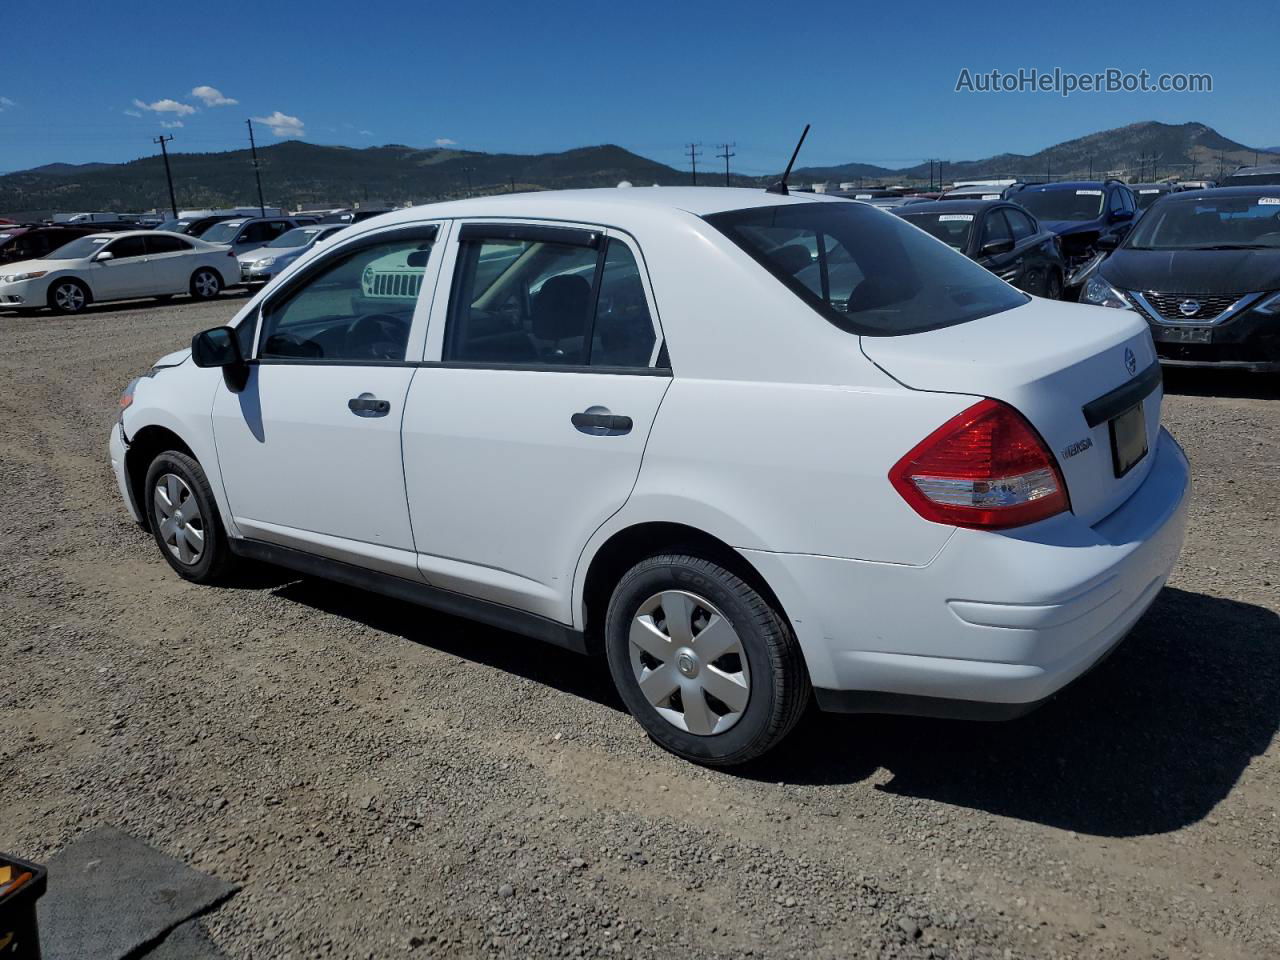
1184	334
1128	439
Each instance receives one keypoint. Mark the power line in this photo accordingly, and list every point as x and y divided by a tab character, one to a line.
694	154
168	174
724	152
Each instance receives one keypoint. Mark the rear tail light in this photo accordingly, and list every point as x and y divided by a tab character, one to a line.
985	468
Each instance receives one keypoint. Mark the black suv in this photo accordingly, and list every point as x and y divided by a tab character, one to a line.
34	242
1203	268
1000	236
1080	213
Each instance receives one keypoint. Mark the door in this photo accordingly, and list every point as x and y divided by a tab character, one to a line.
310	449
528	434
1029	248
996	248
171	263
127	274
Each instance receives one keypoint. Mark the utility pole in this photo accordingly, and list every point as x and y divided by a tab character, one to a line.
724	152
694	154
467	171
257	174
173	200
513	184
1090	166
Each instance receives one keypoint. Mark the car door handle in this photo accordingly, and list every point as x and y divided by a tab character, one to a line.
598	422
367	405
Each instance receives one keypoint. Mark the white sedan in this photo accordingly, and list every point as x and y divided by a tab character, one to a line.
757	450
118	266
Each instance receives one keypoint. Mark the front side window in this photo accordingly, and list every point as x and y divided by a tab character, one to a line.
357	308
127	247
882	277
995	229
540	301
1019	223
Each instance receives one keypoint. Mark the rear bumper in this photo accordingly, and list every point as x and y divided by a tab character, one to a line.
996	622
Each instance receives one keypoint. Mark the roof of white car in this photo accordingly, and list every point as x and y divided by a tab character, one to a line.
601	203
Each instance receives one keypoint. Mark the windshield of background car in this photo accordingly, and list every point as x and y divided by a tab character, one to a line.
1210	223
78	249
294	238
951	228
865	270
173	226
1145	198
1084	203
224	232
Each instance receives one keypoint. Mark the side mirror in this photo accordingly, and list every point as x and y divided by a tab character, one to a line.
997	246
218	347
104	256
1106	244
1118	215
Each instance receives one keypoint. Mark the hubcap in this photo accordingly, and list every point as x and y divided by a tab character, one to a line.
178	518
689	662
206	284
69	297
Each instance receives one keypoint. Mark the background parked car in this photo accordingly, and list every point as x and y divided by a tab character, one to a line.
260	265
1081	213
1265	175
1203	269
1145	194
249	233
33	242
348	217
117	266
196	226
974	191
1000	235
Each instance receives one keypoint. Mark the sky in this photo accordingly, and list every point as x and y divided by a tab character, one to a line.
877	85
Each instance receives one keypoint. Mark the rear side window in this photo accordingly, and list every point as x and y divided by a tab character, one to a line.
536	302
159	243
866	271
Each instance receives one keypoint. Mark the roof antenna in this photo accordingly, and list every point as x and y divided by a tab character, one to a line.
780	185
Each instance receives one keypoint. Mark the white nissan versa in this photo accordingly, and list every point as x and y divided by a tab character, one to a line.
757	449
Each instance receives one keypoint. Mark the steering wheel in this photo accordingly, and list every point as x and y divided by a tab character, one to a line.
377	336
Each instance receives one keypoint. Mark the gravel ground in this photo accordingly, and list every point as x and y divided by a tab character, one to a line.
381	779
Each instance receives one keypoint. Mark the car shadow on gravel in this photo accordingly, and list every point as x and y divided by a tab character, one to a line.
1194	382
551	666
1148	742
124	306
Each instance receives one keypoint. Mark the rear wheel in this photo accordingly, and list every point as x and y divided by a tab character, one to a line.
707	665
205	284
68	295
184	518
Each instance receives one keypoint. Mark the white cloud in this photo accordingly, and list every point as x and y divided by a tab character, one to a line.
169	125
283	125
445	142
6	103
212	97
366	133
133	113
167	106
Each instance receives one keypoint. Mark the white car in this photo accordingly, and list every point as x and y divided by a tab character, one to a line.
260	265
117	266
756	449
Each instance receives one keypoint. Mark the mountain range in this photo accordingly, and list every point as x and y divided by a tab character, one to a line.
297	174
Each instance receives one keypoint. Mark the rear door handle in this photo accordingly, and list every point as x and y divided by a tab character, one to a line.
599	422
367	405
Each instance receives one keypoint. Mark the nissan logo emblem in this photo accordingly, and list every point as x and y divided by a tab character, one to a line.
1189	308
1130	361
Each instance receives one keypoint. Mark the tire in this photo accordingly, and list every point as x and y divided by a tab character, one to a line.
1053	286
206	283
68	295
759	688
206	559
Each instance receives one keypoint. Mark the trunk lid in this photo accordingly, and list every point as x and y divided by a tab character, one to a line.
1047	360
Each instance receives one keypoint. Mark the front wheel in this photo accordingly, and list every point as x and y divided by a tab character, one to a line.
184	518
703	660
1053	286
68	296
205	284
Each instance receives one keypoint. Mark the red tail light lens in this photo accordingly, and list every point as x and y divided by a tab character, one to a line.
985	468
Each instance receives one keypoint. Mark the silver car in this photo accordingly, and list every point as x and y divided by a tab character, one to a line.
263	263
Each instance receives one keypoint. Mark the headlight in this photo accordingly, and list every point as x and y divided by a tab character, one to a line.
19	277
263	263
126	395
1097	291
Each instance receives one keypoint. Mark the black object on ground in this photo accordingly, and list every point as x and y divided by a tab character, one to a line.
21	885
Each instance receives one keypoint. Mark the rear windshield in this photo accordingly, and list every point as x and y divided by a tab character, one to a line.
865	270
1084	203
1210	223
1147	197
951	228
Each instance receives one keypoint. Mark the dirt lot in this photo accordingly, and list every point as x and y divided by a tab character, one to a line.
381	779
